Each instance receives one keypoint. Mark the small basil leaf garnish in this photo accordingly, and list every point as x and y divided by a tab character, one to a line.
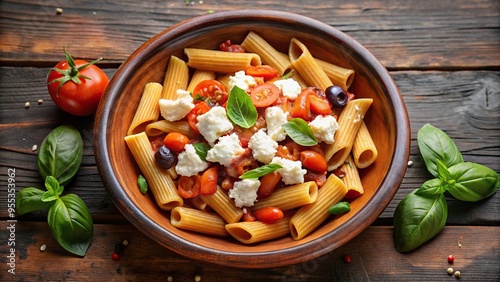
339	208
201	150
260	171
300	132
240	109
143	184
53	189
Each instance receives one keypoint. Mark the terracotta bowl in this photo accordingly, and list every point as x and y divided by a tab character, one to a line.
387	120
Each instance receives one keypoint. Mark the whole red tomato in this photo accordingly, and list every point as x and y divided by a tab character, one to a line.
76	86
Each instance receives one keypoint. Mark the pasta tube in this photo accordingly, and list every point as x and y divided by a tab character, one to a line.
220	61
148	110
308	217
351	179
307	66
176	77
159	181
249	232
198	221
290	197
223	205
270	56
164	126
199	76
364	150
338	75
350	121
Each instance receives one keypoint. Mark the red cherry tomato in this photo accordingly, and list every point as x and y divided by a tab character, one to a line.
211	89
311	101
76	86
208	182
319	105
228	46
313	160
188	186
268	214
175	141
264	95
301	107
265	71
248	215
198	110
267	185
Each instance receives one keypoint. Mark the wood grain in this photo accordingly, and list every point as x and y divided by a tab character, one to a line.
402	35
145	260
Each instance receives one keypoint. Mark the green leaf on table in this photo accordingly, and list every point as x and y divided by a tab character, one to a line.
300	132
435	145
71	224
240	109
472	181
29	200
417	219
432	187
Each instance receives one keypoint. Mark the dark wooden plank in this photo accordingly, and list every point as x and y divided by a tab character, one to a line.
403	35
465	104
145	260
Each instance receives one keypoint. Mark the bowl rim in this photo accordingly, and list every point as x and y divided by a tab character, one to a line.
294	254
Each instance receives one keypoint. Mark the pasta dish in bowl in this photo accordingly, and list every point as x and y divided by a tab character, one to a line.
263	138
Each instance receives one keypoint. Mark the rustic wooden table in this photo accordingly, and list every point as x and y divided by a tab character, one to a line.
443	55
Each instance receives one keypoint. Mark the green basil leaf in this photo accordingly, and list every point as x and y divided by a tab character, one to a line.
417	219
201	150
30	199
434	144
71	224
53	189
300	132
61	153
339	208
473	182
240	109
260	171
143	184
432	187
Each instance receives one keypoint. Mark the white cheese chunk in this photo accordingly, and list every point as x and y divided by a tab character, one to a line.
228	148
214	124
241	80
291	171
263	147
189	163
289	88
324	128
244	192
174	110
275	118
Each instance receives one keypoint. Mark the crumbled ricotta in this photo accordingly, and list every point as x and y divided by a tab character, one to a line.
244	192
214	124
289	88
189	163
173	110
275	118
291	171
263	147
227	148
324	128
241	80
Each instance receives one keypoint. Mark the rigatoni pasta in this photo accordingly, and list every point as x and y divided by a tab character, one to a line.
198	221
147	110
219	61
290	197
176	77
338	75
364	150
250	232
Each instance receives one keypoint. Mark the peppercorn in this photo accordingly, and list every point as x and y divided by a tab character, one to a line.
115	256
347	259
449	271
457	274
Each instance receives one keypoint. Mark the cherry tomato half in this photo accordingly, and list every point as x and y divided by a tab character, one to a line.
265	71
175	141
268	214
264	95
211	89
208	182
188	186
76	86
313	160
267	185
198	110
311	101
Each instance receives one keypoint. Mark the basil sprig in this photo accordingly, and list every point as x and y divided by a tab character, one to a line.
260	171
240	108
68	216
422	214
340	208
300	132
